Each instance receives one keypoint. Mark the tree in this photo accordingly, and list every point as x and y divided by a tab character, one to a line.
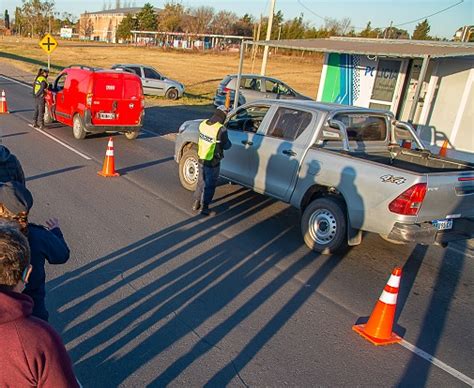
147	19
86	27
128	24
171	17
223	22
7	20
198	20
244	26
421	31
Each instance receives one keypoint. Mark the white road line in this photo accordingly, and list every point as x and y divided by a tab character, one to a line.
60	142
18	82
440	364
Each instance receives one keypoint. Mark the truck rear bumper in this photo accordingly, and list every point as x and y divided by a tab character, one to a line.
427	234
109	128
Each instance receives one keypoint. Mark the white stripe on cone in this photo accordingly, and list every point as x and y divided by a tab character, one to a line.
109	153
394	281
110	144
388	297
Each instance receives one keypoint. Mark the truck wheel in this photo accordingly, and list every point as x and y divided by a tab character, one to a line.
78	129
323	226
132	135
172	94
47	118
189	169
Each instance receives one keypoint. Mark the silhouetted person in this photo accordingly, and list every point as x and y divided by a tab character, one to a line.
46	243
10	167
213	140
32	353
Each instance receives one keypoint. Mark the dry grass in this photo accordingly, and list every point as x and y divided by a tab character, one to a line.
199	72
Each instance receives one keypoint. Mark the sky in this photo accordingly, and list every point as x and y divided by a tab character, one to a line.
379	12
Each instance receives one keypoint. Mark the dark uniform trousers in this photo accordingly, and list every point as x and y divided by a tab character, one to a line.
207	182
39	111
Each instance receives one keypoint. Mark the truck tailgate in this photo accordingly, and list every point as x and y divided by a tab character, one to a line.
448	195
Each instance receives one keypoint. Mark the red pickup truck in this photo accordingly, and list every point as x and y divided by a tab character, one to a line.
95	101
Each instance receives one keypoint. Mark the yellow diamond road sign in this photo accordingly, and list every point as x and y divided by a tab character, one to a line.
48	44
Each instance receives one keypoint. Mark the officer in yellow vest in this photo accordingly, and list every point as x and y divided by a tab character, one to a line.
213	140
39	92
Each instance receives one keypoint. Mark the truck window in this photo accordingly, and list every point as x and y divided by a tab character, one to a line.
60	82
362	127
289	123
250	84
248	119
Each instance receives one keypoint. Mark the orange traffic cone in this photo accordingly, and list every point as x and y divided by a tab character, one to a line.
108	170
378	329
3	103
444	148
227	100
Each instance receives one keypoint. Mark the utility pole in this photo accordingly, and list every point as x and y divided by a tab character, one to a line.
269	34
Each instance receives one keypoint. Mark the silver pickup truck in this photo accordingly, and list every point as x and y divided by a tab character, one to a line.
347	169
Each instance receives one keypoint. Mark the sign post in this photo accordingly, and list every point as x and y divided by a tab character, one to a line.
48	44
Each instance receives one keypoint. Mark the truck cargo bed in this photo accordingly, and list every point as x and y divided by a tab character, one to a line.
421	162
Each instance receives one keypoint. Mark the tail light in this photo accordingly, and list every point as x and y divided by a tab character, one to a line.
226	90
409	202
89	100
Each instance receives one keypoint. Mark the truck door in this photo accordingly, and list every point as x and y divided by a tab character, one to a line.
244	128
61	107
280	152
152	82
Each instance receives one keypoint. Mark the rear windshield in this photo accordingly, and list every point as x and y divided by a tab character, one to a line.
117	86
225	81
132	88
360	127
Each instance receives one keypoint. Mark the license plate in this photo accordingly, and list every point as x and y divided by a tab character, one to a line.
107	116
443	224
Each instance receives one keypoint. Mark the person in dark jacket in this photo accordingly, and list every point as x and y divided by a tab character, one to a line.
213	140
10	167
32	353
46	243
39	92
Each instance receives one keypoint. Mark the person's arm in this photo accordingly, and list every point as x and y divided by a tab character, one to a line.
56	250
55	366
224	139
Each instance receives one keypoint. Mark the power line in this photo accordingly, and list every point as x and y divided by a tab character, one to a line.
428	16
396	25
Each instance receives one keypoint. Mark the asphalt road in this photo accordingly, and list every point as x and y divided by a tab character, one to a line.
155	295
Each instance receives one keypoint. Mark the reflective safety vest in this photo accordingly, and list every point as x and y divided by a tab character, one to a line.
37	85
207	140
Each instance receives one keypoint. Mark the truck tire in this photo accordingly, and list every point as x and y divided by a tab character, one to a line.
189	169
78	130
47	118
324	225
131	135
172	94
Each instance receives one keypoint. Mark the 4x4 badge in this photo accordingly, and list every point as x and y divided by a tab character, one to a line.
398	180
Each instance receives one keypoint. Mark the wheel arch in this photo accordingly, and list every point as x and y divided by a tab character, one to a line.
186	146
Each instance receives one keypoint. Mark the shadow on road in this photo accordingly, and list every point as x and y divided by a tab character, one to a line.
168	300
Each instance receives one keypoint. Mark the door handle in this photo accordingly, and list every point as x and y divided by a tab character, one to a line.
245	142
289	152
